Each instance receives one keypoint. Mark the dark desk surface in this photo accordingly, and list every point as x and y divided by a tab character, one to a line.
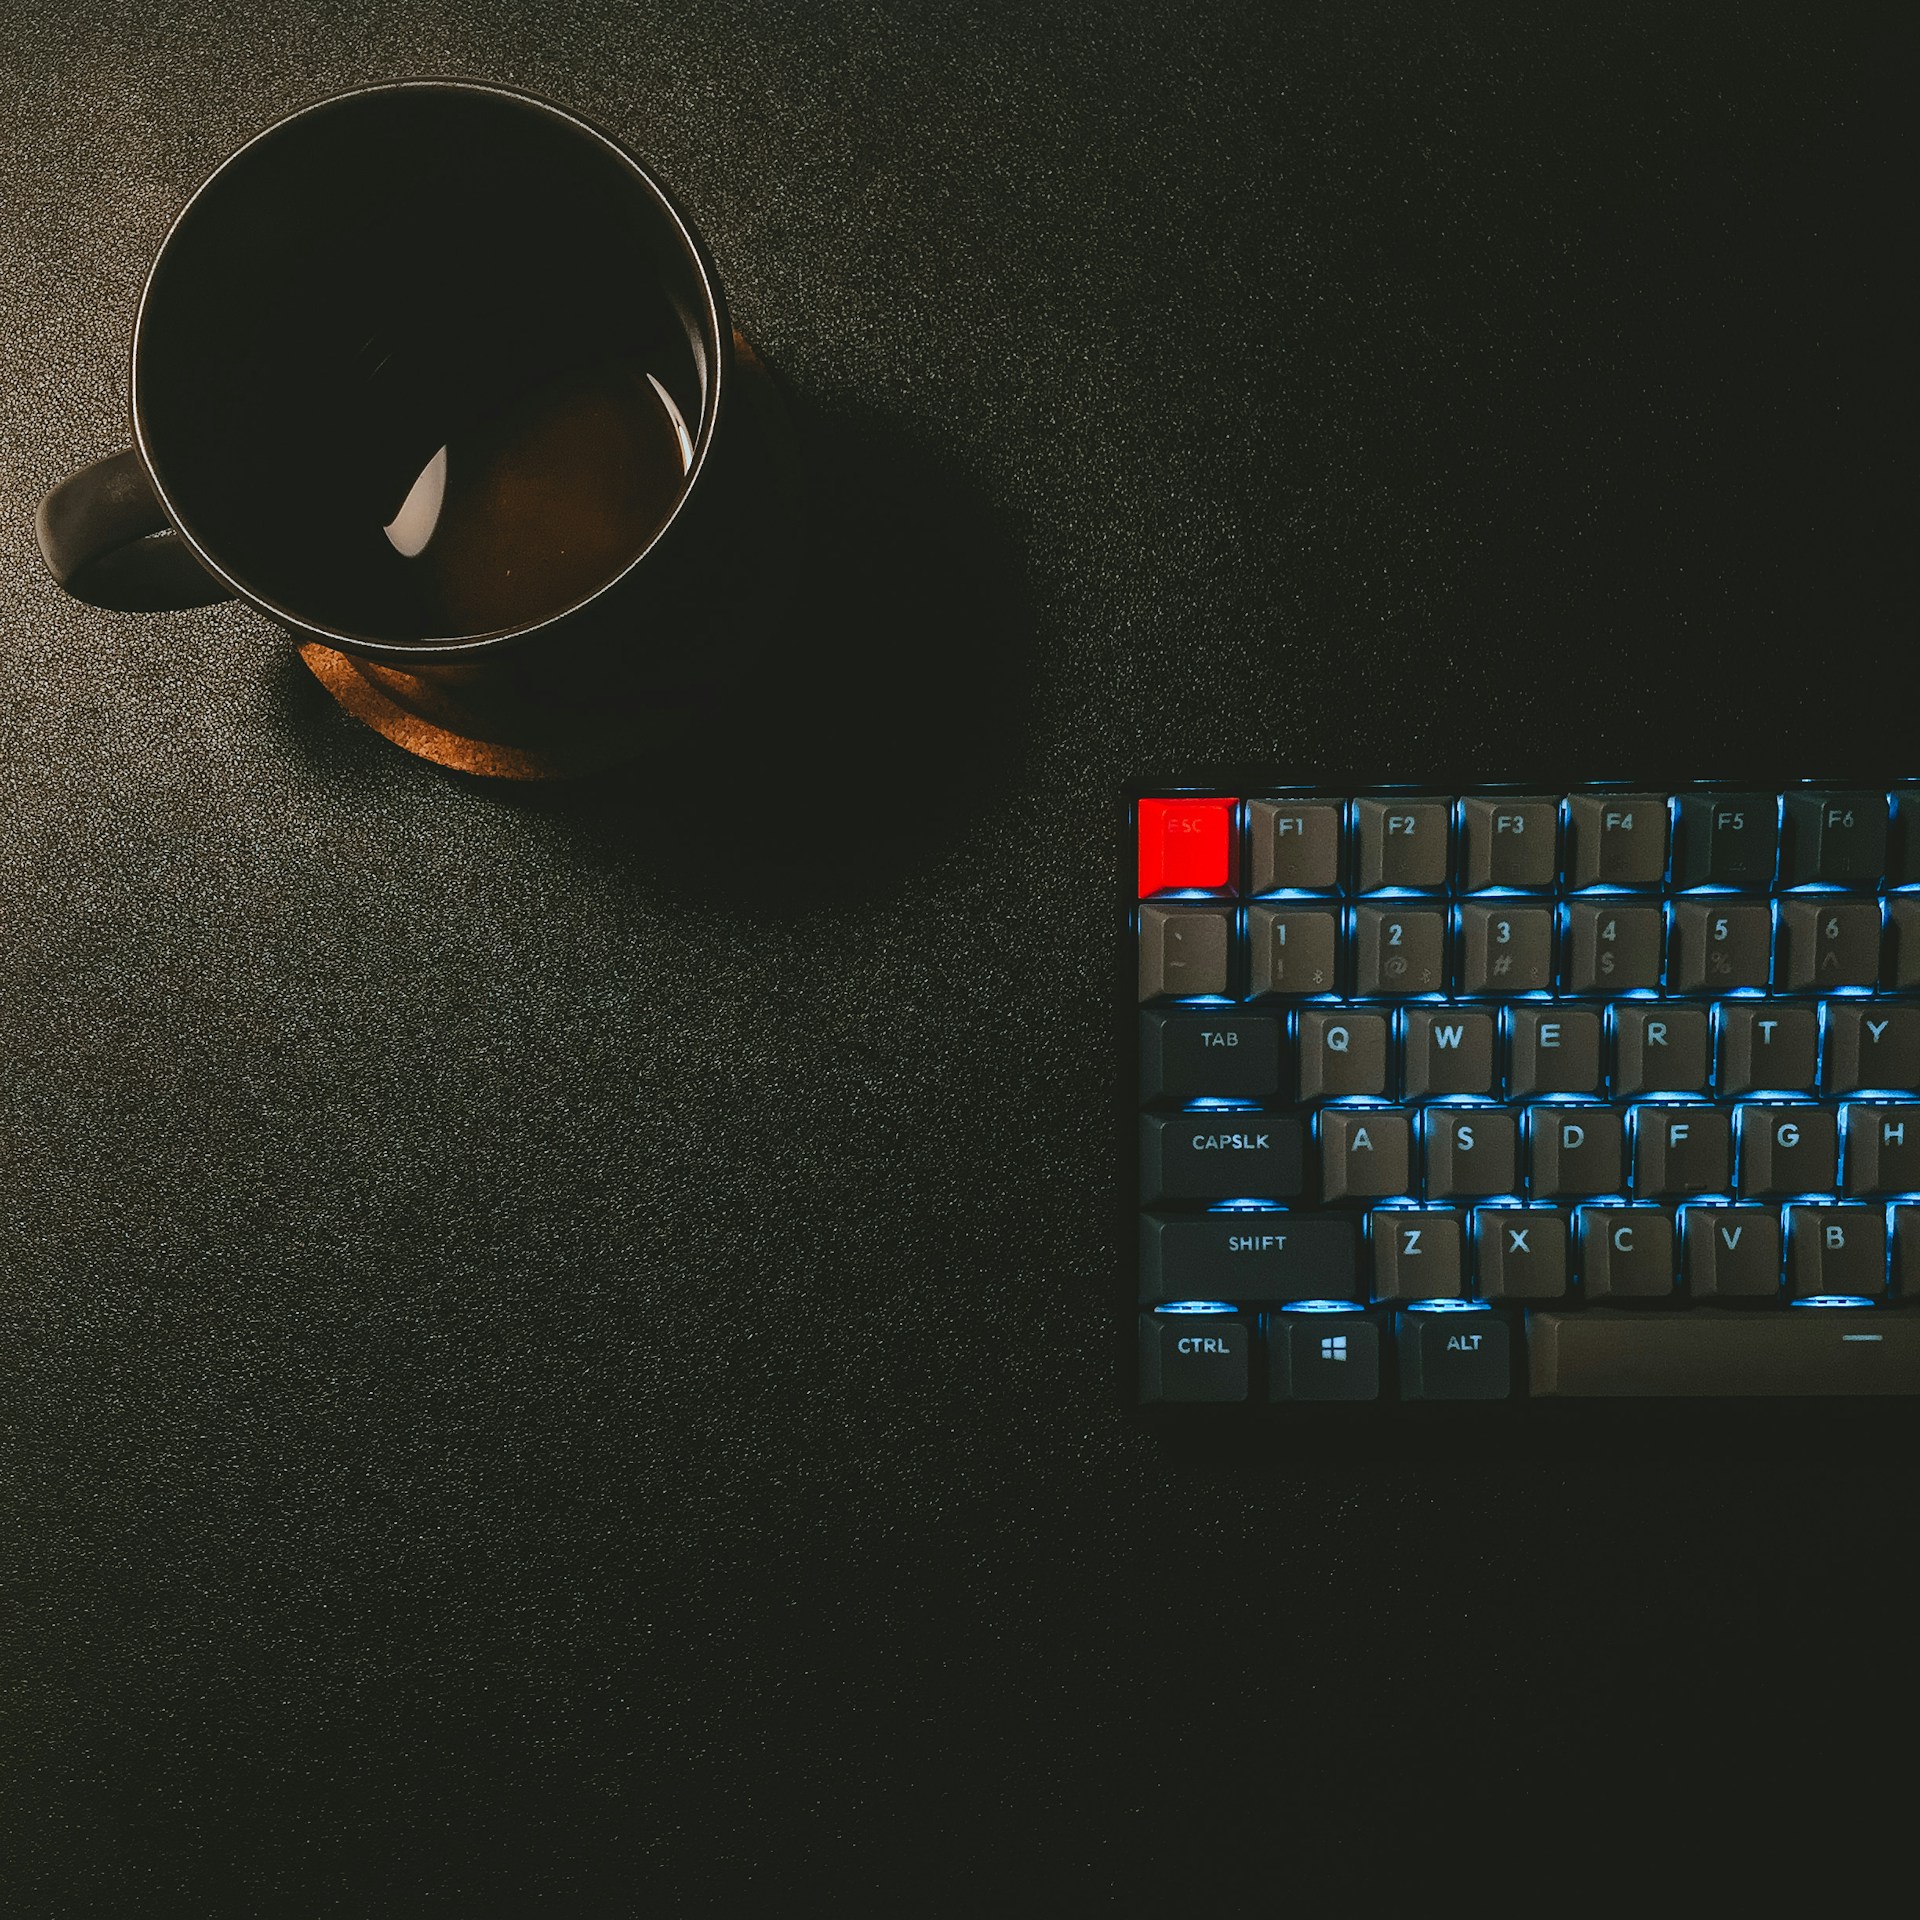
558	1348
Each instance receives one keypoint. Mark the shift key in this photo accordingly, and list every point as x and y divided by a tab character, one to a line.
1221	1153
1261	1256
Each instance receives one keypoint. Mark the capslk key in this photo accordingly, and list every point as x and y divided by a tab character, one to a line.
1221	1154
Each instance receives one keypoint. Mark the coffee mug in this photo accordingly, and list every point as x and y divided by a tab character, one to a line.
435	375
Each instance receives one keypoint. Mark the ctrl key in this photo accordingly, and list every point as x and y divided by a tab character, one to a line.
1192	1355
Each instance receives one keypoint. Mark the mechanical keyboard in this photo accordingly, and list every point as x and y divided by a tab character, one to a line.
1524	1093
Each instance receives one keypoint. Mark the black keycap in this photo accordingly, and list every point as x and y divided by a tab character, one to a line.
1903	928
1553	1050
1760	1354
1184	950
1840	1251
1574	1151
1840	838
1399	950
1341	1054
1447	1051
1828	943
1292	950
1659	1050
1679	1150
1403	843
1506	949
1295	844
1626	1253
1196	1056
1613	947
1731	1253
1786	1149
1618	839
1767	1047
1906	1252
1263	1257
1883	1150
1874	1047
1417	1254
1366	1153
1903	855
1726	840
1519	1253
1470	1152
1461	1355
1510	843
1221	1153
1323	1356
1193	1356
1714	946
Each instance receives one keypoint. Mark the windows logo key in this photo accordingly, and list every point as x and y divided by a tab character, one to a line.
1334	1347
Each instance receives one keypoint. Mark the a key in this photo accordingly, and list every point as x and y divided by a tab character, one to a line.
1295	845
1619	839
1573	1152
1519	1253
1659	1050
1202	1056
1873	1047
1626	1253
1903	926
1714	946
1193	1357
1184	951
1766	1047
1185	843
1447	1051
1510	843
1366	1153
1726	840
1506	949
1459	1355
1838	1252
1221	1153
1342	1054
1399	950
1292	950
1680	1150
1263	1256
1470	1152
1323	1356
1731	1253
1839	838
1786	1149
1417	1254
1828	943
1883	1150
1612	946
1553	1050
1671	1355
1403	843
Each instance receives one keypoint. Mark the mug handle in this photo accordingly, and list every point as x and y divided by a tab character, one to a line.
96	533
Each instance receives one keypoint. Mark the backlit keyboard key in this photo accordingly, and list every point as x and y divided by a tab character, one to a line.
1659	1050
1461	1355
1292	950
1185	843
1322	1357
1519	1253
1613	946
1838	838
1826	943
1767	1047
1447	1051
1221	1153
1262	1257
1731	1253
1510	843
1506	948
1719	946
1403	843
1552	1050
1626	1253
1296	845
1681	1150
1185	951
1471	1152
1366	1153
1883	1150
1342	1054
1209	1056
1618	839
1418	1254
1573	1152
1903	928
1399	949
1726	840
1836	1253
1872	1047
1785	1150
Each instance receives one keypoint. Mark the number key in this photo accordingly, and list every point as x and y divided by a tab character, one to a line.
1400	952
1611	947
1506	949
1828	943
1291	950
1715	946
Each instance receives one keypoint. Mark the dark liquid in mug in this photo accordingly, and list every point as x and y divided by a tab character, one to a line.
530	508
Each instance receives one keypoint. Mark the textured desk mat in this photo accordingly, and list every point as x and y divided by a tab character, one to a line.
556	1349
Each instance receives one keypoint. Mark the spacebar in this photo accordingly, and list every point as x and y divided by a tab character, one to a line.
1718	1352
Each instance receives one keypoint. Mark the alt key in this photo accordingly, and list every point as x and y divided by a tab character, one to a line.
1454	1356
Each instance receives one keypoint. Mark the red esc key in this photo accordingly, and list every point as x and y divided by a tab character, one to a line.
1186	843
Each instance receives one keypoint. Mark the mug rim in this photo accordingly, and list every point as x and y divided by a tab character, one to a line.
473	646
